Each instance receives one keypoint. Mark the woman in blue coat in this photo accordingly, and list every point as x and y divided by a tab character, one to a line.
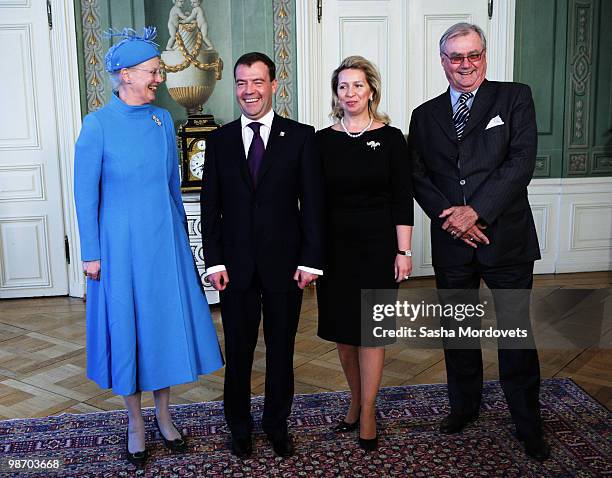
148	323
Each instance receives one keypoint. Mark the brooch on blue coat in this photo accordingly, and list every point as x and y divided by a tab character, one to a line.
157	120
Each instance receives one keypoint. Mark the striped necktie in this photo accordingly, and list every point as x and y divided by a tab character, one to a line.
460	118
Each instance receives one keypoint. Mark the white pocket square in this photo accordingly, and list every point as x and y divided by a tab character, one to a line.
493	122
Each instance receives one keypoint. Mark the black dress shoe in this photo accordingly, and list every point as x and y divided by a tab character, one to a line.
178	445
368	444
343	427
537	448
241	446
282	445
456	423
137	459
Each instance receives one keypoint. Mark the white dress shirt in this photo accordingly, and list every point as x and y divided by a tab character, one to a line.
264	130
454	96
247	138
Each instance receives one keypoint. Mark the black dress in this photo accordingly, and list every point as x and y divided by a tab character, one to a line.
369	191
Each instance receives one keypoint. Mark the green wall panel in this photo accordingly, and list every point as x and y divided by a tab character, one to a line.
602	106
539	57
254	31
588	148
562	50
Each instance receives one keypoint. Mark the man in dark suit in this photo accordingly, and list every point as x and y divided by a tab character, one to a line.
473	150
262	209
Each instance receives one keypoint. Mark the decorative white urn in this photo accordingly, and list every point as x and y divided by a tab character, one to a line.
191	69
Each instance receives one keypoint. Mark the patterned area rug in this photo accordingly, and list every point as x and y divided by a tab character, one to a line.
90	445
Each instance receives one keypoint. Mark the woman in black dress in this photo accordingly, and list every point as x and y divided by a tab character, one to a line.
369	226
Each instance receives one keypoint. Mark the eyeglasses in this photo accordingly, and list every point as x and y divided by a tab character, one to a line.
472	58
159	71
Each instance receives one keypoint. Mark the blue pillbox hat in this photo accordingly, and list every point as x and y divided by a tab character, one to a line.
132	50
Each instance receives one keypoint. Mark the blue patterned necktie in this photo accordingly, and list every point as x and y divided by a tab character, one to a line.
256	152
460	118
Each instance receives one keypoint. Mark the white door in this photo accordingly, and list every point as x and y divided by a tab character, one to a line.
401	38
32	255
375	30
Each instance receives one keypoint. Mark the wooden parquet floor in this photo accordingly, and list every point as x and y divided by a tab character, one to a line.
42	358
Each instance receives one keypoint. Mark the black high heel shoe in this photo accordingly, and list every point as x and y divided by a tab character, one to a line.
178	445
344	427
137	459
368	444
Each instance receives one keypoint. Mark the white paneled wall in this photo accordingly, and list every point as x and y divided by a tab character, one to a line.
574	223
573	219
585	225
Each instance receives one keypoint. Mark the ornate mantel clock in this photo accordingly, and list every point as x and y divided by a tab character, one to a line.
192	136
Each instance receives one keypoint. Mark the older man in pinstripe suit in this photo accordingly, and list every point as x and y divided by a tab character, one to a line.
473	150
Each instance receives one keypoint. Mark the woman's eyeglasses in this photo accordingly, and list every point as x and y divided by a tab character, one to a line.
159	71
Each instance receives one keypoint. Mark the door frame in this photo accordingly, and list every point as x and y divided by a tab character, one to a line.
68	120
500	56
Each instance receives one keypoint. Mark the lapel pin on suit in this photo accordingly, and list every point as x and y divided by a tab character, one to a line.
282	133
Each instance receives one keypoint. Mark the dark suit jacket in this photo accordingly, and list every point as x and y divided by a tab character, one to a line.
274	228
488	170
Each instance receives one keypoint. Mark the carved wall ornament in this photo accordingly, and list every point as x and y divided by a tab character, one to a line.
542	166
579	116
578	163
93	54
580	72
282	57
582	24
602	162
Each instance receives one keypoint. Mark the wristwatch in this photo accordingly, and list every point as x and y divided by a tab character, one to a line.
407	253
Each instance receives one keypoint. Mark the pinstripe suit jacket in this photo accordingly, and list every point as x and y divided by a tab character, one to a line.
488	170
